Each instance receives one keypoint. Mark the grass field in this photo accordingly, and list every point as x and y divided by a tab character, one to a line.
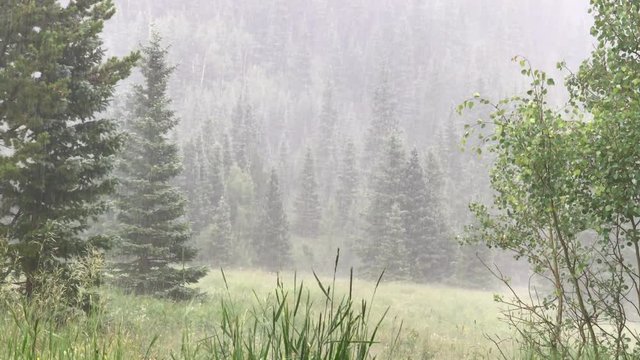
437	322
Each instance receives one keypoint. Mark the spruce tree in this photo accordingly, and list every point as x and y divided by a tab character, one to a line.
307	205
202	181
392	250
214	175
436	263
347	192
416	215
227	157
151	209
220	246
386	192
243	133
247	145
285	168
190	171
425	224
470	266
241	197
384	121
272	246
196	185
57	150
213	180
326	144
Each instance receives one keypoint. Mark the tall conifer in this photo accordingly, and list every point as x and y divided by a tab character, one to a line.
154	233
272	246
220	246
416	214
308	212
385	194
384	120
347	191
57	150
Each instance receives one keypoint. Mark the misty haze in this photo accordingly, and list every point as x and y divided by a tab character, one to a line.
319	179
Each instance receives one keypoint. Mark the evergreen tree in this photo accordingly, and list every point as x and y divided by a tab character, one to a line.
326	143
241	197
386	192
227	157
384	120
416	215
220	249
392	251
214	175
469	268
154	234
244	133
203	181
285	171
436	263
308	212
272	247
424	223
212	166
247	145
57	150
347	191
238	132
196	185
191	170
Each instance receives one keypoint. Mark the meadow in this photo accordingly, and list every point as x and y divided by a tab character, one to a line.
409	321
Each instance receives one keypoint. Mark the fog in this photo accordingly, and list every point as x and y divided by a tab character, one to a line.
231	178
311	72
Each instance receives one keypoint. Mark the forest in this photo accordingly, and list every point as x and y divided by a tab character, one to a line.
319	179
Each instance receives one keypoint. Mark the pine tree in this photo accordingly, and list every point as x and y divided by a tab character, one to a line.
285	171
241	197
191	170
392	249
386	192
308	212
244	134
151	209
227	157
247	145
212	166
238	135
436	263
272	247
425	224
416	214
195	185
384	120
220	249
347	191
470	270
214	175
57	149
202	180
326	143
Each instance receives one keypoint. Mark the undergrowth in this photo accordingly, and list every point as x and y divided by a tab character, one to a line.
289	323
